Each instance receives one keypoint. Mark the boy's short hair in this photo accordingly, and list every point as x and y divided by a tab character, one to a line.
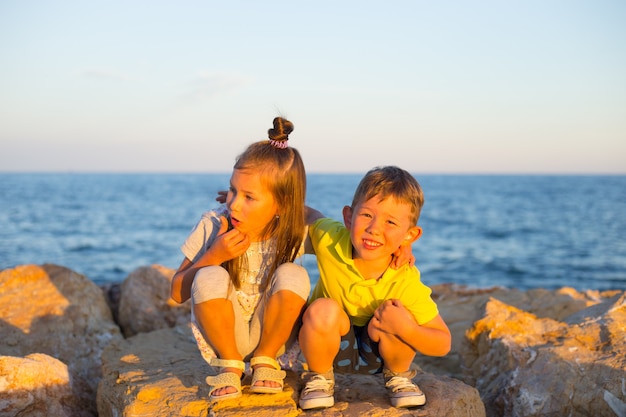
391	181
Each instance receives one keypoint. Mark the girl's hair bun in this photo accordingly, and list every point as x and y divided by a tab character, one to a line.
279	135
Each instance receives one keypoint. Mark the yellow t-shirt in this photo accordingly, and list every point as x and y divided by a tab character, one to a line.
341	280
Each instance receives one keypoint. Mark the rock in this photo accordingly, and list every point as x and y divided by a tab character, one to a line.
161	373
145	304
53	310
460	307
524	365
38	385
535	352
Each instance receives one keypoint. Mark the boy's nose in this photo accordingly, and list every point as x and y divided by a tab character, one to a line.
373	227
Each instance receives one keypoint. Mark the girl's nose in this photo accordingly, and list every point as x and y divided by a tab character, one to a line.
232	202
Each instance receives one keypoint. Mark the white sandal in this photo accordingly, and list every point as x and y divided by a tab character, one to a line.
225	379
274	374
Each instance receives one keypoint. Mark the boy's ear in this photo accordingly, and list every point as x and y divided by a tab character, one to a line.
412	235
347	216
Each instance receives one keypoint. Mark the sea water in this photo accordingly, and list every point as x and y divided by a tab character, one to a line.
479	230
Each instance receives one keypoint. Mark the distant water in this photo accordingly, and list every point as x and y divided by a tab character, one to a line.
514	231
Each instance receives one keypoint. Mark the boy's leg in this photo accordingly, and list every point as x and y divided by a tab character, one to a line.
397	357
323	324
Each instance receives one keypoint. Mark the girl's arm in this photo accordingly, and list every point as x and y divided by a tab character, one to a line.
180	290
228	245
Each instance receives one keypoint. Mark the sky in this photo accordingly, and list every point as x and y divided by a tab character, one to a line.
487	87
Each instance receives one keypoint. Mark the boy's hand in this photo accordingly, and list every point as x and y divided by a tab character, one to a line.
402	256
392	317
221	197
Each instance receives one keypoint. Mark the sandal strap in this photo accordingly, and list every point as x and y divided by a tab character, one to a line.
268	374
228	363
265	360
225	379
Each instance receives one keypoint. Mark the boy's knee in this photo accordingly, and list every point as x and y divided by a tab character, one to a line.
323	313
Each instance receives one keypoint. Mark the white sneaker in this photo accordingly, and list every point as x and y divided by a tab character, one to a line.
318	391
403	392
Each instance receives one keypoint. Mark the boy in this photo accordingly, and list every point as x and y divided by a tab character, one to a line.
363	315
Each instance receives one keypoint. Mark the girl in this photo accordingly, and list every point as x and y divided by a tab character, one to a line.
247	294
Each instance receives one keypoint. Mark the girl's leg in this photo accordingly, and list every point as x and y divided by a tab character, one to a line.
215	317
288	294
323	324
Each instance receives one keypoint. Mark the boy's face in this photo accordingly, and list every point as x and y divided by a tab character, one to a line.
379	227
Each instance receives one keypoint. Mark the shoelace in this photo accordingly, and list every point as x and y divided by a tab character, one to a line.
317	383
400	383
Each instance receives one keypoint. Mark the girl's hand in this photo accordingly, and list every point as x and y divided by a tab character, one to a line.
402	256
228	245
221	197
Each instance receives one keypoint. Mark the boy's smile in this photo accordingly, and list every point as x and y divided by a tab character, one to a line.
377	229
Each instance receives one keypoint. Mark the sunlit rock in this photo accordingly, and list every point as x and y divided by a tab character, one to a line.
530	366
53	310
145	303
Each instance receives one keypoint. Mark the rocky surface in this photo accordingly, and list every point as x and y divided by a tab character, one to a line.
518	353
54	311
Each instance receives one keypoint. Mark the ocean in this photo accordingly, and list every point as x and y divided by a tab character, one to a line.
516	231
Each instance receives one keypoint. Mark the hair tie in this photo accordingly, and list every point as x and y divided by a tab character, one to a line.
280	144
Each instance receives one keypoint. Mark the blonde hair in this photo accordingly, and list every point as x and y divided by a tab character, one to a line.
281	169
391	181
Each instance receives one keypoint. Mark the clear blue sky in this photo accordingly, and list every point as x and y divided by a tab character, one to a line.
534	86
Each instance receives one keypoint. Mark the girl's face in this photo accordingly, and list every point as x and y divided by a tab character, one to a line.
379	227
251	204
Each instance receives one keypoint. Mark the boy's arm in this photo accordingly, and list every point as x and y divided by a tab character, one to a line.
312	215
432	338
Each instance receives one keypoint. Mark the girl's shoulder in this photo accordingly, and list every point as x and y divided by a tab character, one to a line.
214	214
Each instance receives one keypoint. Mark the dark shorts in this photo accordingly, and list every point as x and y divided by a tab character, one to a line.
357	353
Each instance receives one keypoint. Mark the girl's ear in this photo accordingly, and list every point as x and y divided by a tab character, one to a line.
347	216
412	235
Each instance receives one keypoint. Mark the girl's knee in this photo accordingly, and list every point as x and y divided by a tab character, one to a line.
209	283
292	277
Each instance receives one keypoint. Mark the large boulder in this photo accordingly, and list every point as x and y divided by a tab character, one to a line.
524	365
460	307
39	385
145	304
161	373
53	310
